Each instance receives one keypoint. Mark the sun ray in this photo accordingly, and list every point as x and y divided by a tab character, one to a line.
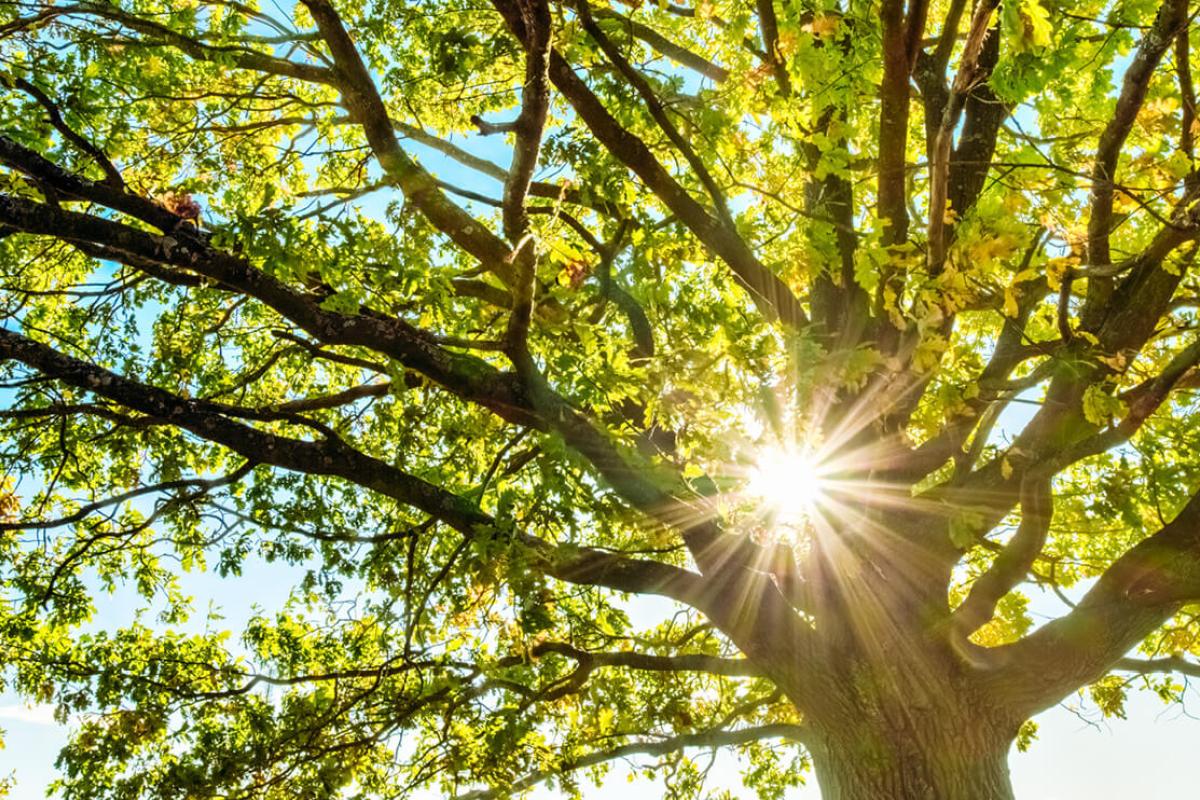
789	483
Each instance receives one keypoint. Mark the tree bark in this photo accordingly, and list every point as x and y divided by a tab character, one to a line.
888	720
954	758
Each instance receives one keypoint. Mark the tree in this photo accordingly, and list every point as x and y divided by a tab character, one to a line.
745	323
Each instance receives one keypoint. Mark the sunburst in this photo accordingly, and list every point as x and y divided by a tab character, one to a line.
789	483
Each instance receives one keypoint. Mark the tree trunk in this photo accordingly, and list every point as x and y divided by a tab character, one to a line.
896	723
952	757
892	709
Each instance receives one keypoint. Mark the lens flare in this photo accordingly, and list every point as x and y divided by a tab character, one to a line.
790	484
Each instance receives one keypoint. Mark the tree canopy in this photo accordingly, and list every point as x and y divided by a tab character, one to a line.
838	329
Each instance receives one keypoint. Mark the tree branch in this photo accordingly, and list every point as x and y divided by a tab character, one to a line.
970	72
658	112
710	739
333	457
519	400
239	56
1171	18
535	101
688	662
768	27
1176	664
1014	561
770	294
899	31
111	173
419	187
677	53
1135	595
84	511
549	191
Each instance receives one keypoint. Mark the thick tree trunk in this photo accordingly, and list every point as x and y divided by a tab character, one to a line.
907	725
920	733
898	767
893	708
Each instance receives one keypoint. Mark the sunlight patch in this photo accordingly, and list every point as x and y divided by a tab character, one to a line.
790	483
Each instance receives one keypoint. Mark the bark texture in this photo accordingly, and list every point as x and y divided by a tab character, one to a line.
901	769
936	744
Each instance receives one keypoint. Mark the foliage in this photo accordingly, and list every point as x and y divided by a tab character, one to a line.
468	325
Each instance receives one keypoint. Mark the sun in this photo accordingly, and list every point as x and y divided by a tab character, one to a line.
789	483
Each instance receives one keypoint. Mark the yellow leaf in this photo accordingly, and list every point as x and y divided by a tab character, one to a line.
822	26
1010	309
929	353
1056	269
950	216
